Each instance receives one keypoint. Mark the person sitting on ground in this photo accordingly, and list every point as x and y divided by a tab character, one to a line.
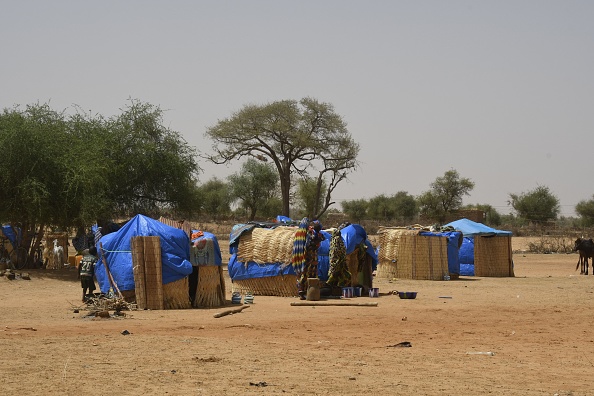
86	272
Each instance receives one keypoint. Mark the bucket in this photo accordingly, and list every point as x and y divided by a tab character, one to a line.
236	298
248	299
374	292
357	291
347	292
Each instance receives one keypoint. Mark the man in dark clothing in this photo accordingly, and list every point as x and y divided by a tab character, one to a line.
86	271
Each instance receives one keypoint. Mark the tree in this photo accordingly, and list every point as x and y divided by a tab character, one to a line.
355	209
32	183
405	206
61	170
585	209
537	205
308	197
150	167
306	138
215	198
255	186
445	195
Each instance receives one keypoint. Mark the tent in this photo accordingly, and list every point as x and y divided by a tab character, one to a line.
485	251
116	250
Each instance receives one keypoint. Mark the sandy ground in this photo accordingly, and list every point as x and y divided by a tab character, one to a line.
538	325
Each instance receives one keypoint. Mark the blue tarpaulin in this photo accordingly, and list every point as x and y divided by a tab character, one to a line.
207	235
175	252
11	235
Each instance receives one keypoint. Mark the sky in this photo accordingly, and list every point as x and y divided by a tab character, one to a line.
500	91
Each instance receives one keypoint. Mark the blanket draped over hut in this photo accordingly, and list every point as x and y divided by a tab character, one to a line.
338	274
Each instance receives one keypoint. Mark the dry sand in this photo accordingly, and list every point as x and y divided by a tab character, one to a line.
538	325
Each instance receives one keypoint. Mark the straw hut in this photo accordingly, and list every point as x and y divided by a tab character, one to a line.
151	270
260	263
417	253
261	258
485	251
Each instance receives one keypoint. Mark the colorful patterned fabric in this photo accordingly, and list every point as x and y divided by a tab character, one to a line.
338	274
298	259
310	266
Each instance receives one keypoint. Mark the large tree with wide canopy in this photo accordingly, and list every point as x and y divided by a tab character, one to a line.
306	138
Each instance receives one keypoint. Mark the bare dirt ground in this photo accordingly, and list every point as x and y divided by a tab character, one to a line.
538	325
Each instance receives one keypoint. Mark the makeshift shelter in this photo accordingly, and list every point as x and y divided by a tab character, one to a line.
485	251
417	253
210	286
168	261
261	256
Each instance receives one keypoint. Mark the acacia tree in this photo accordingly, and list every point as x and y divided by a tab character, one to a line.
355	209
150	168
585	209
62	170
255	186
215	199
445	195
306	138
309	197
536	205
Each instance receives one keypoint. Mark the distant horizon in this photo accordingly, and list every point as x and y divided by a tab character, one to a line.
500	91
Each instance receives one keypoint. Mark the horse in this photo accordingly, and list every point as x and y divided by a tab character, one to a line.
586	249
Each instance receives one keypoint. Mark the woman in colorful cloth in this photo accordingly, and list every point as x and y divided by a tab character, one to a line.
310	267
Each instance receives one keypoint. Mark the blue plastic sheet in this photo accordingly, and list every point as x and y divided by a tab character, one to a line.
175	252
217	249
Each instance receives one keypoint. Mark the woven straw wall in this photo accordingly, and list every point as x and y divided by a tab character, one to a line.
280	285
406	254
147	269
175	294
264	245
210	291
493	256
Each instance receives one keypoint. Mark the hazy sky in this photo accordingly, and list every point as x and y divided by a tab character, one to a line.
501	91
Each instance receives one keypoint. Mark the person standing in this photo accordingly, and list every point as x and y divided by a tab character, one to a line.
86	273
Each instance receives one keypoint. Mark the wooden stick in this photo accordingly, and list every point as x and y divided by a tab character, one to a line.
331	304
111	280
231	311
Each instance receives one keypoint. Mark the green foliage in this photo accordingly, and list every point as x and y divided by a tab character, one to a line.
254	186
150	167
215	198
307	138
308	196
445	195
401	206
538	205
356	209
63	170
585	209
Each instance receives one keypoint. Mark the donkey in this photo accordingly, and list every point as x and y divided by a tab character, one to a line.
586	249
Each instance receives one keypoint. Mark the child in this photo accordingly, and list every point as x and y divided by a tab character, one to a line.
86	271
